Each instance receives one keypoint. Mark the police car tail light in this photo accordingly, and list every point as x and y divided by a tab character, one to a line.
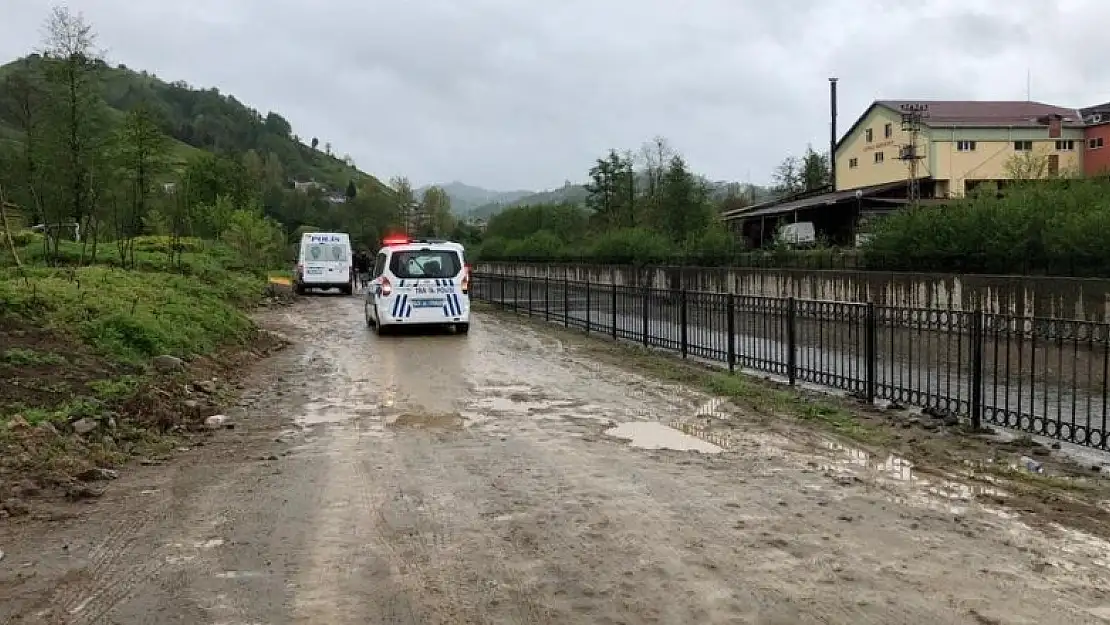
465	286
387	288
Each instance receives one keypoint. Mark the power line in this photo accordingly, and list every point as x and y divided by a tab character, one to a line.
913	116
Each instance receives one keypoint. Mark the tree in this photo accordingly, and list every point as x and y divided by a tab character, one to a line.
685	206
611	190
434	214
1028	165
22	100
352	190
404	201
656	155
141	154
327	148
795	175
816	172
254	168
278	125
315	143
7	228
77	125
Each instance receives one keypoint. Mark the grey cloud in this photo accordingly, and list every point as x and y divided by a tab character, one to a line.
508	94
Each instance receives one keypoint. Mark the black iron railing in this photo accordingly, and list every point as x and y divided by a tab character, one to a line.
1046	377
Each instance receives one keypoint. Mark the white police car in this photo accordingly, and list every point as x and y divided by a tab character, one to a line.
419	282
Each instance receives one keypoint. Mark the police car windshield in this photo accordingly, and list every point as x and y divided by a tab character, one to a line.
411	264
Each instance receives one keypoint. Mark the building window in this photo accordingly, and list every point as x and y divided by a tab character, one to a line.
1023	146
869	135
878	157
853	163
1065	145
965	146
1095	143
888	130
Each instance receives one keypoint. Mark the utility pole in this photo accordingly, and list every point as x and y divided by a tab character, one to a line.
913	116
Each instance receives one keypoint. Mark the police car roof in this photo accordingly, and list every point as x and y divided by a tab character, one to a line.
425	244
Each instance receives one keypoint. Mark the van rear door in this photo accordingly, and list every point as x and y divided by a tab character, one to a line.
327	261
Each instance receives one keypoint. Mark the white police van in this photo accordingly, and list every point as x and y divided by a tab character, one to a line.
419	282
324	262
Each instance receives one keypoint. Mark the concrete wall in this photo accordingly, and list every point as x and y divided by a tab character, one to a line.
1065	298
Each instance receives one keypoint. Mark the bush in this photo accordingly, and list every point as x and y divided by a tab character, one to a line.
632	246
1055	226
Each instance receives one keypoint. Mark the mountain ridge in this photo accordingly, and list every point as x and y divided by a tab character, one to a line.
201	119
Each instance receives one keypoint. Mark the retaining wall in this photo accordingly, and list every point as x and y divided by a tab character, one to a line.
1068	298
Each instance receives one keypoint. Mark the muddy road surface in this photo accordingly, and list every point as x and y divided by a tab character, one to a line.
503	477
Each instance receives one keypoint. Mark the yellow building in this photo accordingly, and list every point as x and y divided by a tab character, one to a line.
960	144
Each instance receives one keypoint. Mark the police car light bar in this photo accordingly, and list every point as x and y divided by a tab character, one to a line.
396	241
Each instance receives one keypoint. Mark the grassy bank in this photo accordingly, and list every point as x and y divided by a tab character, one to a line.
80	345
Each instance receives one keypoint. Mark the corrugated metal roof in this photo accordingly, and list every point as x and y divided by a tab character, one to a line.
773	208
986	113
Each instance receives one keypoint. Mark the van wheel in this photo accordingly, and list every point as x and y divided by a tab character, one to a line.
347	290
299	289
462	328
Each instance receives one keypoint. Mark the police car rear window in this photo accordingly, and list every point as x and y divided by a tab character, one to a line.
425	264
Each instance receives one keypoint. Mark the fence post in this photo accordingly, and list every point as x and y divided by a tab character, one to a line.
613	306
501	287
977	338
730	310
529	278
647	315
546	297
870	336
566	299
682	322
791	341
588	298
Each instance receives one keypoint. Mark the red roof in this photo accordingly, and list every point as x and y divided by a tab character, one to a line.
956	113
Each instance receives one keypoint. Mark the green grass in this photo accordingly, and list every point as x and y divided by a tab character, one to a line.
131	316
18	357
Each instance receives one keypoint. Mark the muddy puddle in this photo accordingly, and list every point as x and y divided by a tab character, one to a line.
653	435
426	420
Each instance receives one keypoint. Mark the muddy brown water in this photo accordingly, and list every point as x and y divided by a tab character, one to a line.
470	479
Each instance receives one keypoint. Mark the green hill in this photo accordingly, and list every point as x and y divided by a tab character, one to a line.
199	119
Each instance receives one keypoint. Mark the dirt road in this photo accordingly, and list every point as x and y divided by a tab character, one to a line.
471	479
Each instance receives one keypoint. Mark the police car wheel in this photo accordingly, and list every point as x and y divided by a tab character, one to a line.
462	328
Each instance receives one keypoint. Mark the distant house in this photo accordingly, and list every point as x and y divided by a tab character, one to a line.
169	187
304	187
337	198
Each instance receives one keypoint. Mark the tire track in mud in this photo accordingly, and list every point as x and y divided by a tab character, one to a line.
114	572
442	575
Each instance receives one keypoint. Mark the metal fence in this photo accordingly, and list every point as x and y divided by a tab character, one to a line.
1046	377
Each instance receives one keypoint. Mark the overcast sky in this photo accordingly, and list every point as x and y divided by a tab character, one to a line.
511	94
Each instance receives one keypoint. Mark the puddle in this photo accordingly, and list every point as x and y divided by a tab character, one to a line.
237	574
430	420
893	469
653	435
716	408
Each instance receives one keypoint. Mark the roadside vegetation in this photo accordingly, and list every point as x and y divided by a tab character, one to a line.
140	223
1055	226
644	208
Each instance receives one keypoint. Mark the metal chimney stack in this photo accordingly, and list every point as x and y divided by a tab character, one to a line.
832	131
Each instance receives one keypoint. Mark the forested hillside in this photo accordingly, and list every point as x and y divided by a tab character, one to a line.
123	153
